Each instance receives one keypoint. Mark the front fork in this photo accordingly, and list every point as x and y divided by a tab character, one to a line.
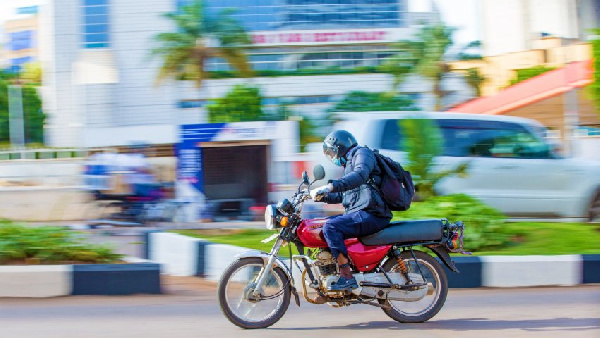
267	268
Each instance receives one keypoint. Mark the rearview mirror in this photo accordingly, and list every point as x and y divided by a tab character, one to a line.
318	172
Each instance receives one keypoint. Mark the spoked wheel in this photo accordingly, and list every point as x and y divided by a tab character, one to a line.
594	210
424	309
237	299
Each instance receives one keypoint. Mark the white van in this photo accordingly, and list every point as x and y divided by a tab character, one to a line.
512	167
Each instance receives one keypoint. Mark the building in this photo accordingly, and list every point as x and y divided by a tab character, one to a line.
514	25
550	52
21	38
99	79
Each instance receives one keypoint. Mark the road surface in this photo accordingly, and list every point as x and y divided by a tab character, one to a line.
189	309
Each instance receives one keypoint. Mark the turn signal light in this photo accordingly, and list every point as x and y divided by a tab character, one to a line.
283	221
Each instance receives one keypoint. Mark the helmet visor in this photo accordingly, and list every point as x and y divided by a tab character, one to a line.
330	151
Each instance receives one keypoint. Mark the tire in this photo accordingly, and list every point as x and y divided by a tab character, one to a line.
594	208
434	273
277	282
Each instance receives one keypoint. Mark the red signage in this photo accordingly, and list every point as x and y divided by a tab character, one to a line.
322	37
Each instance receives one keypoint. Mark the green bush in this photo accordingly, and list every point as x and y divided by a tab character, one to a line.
484	226
48	244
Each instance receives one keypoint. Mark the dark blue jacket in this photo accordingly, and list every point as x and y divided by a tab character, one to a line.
352	189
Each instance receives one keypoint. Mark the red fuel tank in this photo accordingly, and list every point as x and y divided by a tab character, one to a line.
310	233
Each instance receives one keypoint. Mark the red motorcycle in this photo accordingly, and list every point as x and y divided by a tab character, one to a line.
408	285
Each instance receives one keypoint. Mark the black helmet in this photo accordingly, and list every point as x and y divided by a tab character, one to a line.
337	144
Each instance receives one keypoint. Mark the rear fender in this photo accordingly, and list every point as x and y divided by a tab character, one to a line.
443	255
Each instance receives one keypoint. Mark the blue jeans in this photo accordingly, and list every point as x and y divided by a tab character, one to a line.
355	224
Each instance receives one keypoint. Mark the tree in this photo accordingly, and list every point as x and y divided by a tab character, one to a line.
32	111
426	52
359	101
241	103
199	37
465	55
475	80
32	73
423	142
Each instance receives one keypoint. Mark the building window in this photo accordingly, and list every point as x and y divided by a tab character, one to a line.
259	15
21	40
95	29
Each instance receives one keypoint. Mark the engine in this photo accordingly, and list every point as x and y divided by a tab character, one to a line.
325	262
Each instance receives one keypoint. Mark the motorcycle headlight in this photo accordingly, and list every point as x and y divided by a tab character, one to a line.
271	217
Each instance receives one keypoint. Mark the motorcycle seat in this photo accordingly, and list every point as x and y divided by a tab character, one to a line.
412	231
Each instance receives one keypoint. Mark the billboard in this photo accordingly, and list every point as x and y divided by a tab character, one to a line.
193	151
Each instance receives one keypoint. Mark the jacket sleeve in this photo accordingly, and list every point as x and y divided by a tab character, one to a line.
364	162
334	198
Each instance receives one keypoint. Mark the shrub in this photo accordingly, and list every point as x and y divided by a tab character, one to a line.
483	225
48	244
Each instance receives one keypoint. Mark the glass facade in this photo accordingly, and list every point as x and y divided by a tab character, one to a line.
265	15
95	28
278	15
291	59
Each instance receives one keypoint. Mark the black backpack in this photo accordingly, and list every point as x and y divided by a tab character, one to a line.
397	187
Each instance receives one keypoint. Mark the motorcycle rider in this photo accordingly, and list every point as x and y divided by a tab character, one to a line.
365	211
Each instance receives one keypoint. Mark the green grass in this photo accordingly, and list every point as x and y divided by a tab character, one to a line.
549	239
21	244
525	239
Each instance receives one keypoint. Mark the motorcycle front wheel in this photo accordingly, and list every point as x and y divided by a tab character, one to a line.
241	307
424	309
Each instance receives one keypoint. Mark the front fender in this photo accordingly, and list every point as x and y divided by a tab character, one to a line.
265	257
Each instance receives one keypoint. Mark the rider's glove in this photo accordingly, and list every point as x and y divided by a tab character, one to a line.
319	193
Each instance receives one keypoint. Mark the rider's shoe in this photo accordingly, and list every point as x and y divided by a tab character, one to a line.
343	284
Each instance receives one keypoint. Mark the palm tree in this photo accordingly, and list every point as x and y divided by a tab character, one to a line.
425	55
199	37
475	80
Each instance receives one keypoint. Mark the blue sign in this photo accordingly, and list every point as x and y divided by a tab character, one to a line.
27	10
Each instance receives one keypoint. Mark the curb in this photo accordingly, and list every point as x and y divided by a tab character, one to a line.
209	260
41	281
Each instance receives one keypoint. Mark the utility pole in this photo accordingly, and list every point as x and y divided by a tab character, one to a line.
16	124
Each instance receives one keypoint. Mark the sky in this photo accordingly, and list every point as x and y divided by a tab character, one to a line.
456	13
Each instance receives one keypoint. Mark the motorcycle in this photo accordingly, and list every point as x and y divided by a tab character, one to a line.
410	286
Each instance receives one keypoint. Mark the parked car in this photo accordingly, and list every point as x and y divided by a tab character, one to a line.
512	167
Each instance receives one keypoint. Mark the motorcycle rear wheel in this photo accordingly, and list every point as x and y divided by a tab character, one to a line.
235	299
430	305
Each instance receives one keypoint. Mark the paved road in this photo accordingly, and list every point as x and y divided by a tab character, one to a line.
190	310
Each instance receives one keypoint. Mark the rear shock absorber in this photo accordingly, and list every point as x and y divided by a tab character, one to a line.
402	265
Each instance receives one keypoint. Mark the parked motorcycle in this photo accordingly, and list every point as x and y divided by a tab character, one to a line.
408	285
